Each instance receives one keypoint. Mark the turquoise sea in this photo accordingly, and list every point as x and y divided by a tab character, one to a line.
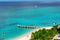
11	17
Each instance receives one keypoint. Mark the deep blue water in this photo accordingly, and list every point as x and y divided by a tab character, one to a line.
11	17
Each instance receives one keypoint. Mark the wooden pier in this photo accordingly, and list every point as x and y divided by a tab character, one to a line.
30	27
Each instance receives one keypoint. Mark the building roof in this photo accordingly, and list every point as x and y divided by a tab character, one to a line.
57	36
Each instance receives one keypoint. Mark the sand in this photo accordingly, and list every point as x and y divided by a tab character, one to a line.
27	36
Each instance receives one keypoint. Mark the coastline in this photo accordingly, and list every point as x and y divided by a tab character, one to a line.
27	36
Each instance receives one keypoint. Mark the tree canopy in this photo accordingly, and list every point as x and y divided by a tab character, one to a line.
45	34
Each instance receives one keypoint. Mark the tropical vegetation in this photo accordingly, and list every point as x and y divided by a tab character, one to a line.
45	34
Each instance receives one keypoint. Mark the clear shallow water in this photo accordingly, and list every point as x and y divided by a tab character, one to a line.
9	18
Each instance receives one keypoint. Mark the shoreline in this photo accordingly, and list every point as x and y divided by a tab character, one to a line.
27	36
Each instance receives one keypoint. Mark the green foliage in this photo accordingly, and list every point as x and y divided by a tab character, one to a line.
44	34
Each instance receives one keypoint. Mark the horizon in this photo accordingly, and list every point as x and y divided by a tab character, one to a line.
29	4
31	0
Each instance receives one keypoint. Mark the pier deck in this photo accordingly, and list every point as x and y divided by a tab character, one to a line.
30	27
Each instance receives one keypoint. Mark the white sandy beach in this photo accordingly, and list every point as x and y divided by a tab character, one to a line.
28	35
